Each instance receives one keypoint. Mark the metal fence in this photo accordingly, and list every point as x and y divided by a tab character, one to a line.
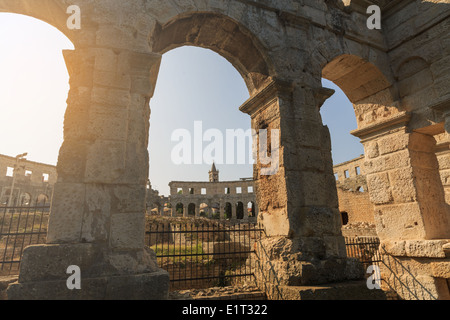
205	254
20	227
366	249
197	255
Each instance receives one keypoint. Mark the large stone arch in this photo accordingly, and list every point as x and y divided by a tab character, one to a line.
53	12
223	35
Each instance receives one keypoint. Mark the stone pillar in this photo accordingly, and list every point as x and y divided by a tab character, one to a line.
246	215
411	215
197	210
97	219
233	211
297	200
185	210
404	182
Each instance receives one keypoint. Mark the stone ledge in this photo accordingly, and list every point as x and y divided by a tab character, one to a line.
353	290
152	286
416	248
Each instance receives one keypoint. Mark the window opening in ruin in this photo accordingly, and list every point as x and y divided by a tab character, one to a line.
358	171
250	190
28	173
344	216
9	171
238	190
203	191
347	174
45	177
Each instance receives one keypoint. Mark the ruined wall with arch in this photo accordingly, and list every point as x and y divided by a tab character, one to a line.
282	49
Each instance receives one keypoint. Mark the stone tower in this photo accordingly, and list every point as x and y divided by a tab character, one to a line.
213	174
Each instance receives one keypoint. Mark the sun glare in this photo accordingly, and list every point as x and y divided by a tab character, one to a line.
33	87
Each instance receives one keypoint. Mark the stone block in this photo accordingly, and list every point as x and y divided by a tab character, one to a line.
380	188
127	230
402	185
66	217
149	286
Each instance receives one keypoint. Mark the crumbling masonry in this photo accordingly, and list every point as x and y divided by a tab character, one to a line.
397	79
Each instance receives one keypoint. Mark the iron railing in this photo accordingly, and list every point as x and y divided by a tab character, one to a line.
365	249
198	254
204	254
20	227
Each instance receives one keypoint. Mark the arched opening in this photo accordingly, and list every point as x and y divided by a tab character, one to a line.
213	64
344	218
251	209
34	85
179	209
228	211
239	211
362	97
220	34
25	199
191	210
42	200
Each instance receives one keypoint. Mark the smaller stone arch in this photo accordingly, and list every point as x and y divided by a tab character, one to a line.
42	200
228	211
25	199
191	209
179	209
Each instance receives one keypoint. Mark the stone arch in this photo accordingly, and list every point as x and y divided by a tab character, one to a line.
228	211
179	209
52	12
221	34
191	209
372	93
25	199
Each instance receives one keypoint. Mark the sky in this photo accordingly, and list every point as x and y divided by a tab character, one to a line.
194	84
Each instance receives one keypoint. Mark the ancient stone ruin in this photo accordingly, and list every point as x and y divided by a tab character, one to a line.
397	78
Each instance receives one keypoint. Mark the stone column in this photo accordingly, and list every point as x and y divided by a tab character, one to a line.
233	211
97	219
297	199
411	215
246	216
197	210
185	210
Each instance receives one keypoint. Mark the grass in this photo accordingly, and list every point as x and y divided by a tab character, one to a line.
167	249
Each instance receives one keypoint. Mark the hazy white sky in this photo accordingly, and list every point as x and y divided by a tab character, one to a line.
194	85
